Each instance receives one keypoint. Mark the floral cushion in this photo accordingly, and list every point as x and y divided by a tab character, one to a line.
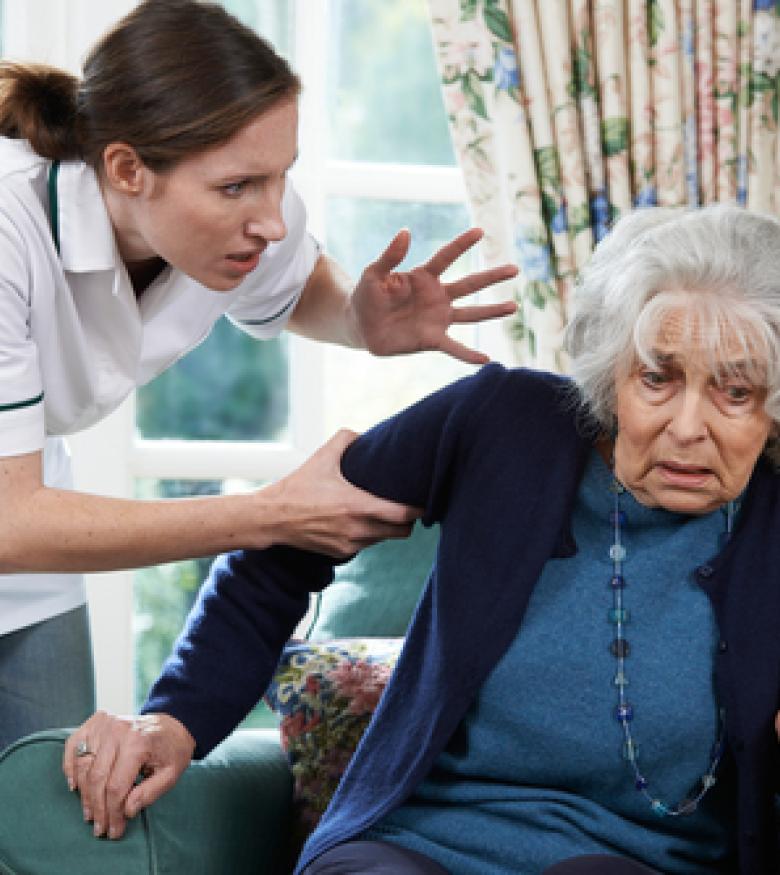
325	694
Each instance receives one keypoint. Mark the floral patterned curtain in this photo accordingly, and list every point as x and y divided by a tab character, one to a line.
565	114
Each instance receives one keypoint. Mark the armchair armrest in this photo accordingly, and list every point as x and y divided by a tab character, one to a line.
228	813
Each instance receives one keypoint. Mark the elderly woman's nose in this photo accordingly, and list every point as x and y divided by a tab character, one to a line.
688	420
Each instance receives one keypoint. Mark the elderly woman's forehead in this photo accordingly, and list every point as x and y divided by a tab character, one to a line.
690	326
686	325
683	337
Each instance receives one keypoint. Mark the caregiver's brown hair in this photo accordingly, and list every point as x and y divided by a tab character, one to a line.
172	78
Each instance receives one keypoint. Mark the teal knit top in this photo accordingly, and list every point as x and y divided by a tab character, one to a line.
534	774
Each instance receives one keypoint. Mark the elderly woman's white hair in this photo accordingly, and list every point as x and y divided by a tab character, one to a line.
719	266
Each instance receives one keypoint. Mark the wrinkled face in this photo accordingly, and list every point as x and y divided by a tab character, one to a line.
215	212
687	438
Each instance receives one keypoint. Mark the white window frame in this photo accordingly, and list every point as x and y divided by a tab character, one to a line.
109	457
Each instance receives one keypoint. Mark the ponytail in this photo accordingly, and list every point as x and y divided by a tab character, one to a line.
39	104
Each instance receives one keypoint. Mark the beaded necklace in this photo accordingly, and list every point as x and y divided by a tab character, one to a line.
619	616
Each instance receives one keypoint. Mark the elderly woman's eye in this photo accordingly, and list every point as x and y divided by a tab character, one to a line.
654	379
738	394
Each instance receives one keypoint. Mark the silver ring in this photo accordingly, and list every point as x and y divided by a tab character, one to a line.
82	750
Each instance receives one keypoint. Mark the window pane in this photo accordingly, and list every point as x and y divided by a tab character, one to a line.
164	594
360	389
231	387
272	19
359	229
384	97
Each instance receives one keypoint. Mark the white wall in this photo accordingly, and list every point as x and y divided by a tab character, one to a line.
58	31
100	465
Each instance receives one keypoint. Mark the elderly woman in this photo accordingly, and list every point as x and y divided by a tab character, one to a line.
591	679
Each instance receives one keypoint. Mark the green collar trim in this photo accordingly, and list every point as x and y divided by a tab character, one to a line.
30	402
54	205
268	318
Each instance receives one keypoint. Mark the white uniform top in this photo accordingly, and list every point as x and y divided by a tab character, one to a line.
75	341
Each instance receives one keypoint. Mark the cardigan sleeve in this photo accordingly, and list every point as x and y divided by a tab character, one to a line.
414	457
252	600
227	652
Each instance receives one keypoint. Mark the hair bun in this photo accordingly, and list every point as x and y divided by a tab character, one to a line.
38	103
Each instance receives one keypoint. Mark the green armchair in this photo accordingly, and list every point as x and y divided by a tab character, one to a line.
231	813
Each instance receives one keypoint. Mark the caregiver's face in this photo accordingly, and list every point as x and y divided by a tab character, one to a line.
687	438
214	214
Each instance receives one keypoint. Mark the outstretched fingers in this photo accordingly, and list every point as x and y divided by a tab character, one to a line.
483	312
462	352
452	251
480	279
395	253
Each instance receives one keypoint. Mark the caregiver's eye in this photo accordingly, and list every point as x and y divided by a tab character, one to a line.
234	189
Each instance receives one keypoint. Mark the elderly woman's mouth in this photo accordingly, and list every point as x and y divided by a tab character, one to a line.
683	475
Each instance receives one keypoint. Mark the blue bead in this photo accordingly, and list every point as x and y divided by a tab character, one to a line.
624	713
618	615
619	647
659	808
640	783
617	552
617	581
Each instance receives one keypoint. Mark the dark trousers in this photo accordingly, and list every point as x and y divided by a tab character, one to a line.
383	858
46	676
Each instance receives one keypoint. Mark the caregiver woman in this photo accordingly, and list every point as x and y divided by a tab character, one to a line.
137	206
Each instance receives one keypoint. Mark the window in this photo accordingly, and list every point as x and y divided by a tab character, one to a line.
273	19
383	93
375	157
230	389
364	173
389	164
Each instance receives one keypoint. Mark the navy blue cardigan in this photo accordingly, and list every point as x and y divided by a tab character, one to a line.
496	459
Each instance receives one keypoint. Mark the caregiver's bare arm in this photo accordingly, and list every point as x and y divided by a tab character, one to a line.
315	508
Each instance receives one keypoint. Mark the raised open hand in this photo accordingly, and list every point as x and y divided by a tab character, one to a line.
411	311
